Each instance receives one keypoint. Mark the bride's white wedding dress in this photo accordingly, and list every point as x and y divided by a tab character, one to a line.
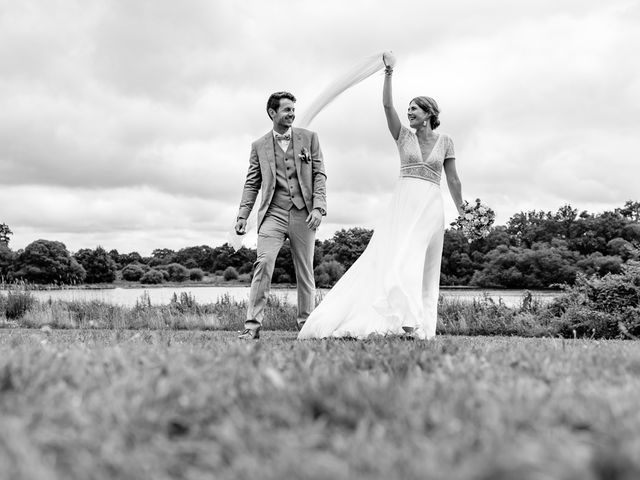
395	282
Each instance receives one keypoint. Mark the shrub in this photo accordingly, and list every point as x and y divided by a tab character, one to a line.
134	271
540	266
152	277
621	248
602	307
599	264
328	273
175	272
186	303
280	275
196	274
614	293
230	274
17	303
486	316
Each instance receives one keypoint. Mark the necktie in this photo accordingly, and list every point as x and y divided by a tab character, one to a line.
285	137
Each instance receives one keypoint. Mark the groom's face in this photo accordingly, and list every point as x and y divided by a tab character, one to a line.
285	115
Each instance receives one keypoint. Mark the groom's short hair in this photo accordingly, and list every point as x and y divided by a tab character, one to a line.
274	100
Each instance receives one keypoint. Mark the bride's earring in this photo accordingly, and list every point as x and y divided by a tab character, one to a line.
424	123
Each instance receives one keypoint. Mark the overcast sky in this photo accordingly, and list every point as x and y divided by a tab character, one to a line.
127	124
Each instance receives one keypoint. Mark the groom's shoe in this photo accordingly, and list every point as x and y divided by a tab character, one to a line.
300	324
251	330
250	334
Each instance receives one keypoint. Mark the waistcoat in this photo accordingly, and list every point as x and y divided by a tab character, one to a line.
287	192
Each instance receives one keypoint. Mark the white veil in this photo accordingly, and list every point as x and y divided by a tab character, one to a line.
357	73
354	75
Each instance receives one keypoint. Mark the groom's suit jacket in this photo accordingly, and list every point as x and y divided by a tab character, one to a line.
262	173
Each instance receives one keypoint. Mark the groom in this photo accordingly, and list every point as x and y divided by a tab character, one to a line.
287	165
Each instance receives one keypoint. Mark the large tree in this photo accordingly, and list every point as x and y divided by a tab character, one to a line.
347	245
99	265
162	256
47	261
631	211
124	259
457	266
5	232
283	270
225	256
202	257
7	258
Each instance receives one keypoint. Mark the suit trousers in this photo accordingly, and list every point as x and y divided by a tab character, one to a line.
278	224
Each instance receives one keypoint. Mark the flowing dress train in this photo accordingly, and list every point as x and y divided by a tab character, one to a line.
395	282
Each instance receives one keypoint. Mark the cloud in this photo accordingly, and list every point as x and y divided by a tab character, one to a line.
128	124
113	218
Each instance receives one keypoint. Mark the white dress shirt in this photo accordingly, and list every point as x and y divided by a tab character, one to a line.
284	144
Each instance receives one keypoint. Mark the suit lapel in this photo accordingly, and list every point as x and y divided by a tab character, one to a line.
268	148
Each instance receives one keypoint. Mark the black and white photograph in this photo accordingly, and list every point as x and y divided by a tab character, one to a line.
303	239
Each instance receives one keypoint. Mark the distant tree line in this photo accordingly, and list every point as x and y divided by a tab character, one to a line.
534	249
539	249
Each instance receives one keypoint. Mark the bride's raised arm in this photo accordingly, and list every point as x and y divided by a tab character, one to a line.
393	121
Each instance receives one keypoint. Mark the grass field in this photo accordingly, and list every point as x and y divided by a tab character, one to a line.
120	404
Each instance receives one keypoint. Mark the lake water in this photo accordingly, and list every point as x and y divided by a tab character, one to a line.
208	294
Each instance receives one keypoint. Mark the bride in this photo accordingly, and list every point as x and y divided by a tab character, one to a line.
393	287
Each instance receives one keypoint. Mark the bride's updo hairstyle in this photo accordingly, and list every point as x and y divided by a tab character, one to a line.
430	106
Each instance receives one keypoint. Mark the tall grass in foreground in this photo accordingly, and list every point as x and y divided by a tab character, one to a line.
482	316
182	313
124	405
607	307
16	303
486	316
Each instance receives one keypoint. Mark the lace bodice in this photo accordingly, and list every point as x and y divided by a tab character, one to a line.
411	162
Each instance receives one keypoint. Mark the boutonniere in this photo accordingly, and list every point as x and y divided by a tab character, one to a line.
304	155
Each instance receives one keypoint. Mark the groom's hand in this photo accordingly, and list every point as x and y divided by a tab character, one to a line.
241	226
314	219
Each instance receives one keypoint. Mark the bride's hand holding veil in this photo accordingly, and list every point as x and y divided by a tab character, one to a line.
389	59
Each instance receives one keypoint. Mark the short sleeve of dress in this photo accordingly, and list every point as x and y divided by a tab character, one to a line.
404	133
449	150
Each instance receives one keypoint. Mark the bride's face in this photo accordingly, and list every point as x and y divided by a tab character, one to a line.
416	115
